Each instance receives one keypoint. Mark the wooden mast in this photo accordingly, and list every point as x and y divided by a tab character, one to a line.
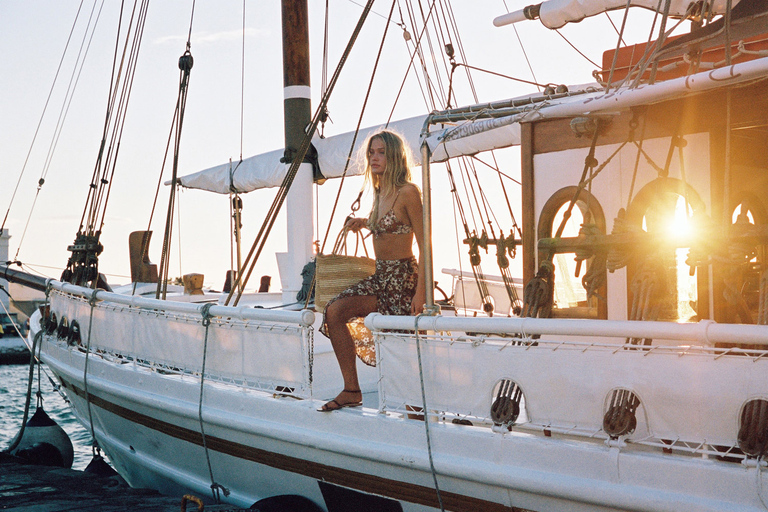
298	116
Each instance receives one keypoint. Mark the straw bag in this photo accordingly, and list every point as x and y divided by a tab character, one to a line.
336	272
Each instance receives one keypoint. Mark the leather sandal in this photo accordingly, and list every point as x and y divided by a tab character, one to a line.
335	405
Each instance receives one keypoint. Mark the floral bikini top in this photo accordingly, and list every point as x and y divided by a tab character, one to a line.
390	224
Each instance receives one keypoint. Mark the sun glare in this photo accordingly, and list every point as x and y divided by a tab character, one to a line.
676	226
680	227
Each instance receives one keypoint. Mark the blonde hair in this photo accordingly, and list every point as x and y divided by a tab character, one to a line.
396	174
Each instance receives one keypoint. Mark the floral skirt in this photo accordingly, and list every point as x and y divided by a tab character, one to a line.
393	284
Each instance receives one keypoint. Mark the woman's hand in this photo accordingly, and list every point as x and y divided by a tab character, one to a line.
355	224
419	299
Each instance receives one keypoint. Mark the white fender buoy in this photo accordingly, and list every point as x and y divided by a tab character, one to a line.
44	442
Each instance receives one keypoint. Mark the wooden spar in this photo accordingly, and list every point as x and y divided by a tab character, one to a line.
23	278
297	117
296	104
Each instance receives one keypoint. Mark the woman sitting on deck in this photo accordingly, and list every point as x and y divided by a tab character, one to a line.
397	286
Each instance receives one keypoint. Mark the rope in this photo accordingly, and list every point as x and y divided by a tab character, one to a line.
121	113
357	128
69	96
662	37
589	163
474	254
145	239
82	266
42	116
242	84
762	314
95	444
621	40
577	50
17	440
324	79
525	54
429	83
416	50
258	244
185	67
8	313
653	47
637	159
501	75
426	415
205	311
642	63
618	43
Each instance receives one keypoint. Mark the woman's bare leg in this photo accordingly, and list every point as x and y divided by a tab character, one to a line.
336	317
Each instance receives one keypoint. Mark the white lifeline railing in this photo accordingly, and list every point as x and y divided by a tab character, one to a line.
705	332
305	317
257	347
691	395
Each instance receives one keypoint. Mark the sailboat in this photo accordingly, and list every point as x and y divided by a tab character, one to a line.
630	376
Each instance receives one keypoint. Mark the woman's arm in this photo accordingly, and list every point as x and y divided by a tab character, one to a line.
414	209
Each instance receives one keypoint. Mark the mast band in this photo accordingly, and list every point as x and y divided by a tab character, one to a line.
297	91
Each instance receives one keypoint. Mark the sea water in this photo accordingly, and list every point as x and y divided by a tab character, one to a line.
13	393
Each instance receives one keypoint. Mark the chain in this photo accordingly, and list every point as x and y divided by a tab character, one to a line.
311	336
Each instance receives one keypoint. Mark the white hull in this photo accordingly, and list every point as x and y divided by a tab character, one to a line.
145	417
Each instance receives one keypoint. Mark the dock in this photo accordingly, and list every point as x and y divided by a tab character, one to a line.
13	350
31	488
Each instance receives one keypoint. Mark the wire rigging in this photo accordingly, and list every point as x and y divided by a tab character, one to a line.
443	23
261	237
520	42
68	97
185	67
242	84
42	116
577	50
82	266
357	128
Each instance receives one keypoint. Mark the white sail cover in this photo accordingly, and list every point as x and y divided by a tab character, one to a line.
556	13
266	170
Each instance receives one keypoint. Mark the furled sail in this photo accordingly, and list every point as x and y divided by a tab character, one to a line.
556	13
265	170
